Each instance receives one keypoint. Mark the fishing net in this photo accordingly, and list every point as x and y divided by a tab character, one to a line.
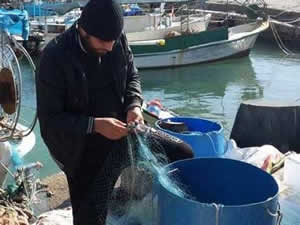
135	174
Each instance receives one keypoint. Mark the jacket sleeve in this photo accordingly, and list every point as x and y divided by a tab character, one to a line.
60	129
133	95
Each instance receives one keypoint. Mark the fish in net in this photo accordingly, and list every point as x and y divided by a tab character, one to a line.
133	174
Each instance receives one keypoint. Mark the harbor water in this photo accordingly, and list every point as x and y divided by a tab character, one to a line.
212	91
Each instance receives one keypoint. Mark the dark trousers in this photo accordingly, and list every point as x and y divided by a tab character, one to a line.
93	182
92	185
90	194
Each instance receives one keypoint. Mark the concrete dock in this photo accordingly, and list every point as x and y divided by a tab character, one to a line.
289	5
286	5
285	15
58	185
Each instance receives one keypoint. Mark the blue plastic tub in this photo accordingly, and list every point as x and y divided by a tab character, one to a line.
204	136
224	191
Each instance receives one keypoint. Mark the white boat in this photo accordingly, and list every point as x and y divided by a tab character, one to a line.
154	110
56	23
198	47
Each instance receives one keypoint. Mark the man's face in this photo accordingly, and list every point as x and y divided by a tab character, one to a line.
95	45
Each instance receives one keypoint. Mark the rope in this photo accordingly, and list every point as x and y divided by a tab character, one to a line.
278	40
277	214
212	142
293	21
280	43
223	112
16	133
288	21
6	168
218	208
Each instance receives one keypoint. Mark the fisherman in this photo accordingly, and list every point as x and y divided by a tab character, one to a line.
88	90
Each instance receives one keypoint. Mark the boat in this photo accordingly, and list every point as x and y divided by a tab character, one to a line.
55	23
180	40
154	110
198	47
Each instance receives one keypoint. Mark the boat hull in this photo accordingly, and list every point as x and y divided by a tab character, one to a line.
197	54
199	48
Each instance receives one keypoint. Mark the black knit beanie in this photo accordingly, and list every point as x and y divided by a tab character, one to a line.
102	19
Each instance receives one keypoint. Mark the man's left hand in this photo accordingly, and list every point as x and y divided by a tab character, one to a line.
135	115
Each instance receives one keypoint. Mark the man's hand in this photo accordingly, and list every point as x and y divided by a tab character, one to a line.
110	128
135	115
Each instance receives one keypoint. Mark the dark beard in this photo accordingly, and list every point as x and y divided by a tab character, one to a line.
90	50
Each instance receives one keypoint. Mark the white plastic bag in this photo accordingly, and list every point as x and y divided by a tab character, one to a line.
263	157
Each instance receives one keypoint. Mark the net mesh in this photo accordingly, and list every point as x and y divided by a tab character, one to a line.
134	175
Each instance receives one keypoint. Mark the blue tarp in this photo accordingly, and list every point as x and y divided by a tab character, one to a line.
15	22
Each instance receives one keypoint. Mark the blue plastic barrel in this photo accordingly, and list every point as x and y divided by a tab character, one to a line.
224	192
204	136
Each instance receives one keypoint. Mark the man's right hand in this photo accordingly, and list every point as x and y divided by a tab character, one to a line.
110	128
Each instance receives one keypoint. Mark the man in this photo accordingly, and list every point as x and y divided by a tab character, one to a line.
87	90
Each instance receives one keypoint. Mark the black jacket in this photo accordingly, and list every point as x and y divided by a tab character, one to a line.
62	95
